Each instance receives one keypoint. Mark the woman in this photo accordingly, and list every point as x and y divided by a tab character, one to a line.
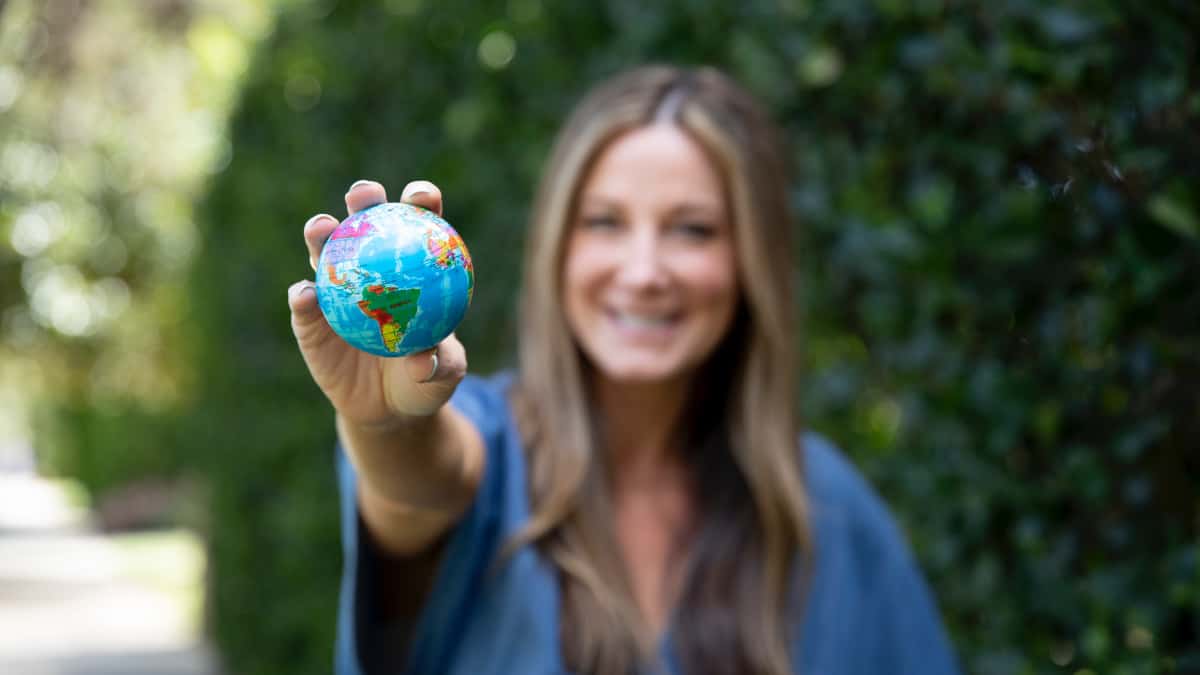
637	496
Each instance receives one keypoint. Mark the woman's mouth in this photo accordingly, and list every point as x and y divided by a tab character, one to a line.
644	326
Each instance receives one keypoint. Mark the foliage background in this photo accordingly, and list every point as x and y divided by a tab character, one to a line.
112	118
1001	265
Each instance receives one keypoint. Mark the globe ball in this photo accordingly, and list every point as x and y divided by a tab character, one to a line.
394	279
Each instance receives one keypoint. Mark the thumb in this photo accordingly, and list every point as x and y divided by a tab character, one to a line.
422	367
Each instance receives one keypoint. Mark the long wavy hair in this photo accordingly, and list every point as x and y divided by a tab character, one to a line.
739	431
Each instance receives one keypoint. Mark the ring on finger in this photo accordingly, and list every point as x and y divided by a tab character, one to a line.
432	371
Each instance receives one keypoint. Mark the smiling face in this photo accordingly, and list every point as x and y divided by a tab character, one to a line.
650	277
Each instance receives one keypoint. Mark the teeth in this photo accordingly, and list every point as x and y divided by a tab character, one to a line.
642	321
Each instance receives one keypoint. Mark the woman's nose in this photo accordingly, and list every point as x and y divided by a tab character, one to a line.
641	262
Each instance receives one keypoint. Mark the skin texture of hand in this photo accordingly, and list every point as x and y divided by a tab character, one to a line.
366	390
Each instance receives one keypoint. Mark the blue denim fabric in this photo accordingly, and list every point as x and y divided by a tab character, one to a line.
868	610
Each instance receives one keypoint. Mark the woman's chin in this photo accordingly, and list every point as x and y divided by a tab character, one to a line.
639	372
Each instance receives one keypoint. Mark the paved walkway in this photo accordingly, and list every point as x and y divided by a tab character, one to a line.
76	602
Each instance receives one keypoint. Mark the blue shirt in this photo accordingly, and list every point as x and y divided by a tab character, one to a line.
867	610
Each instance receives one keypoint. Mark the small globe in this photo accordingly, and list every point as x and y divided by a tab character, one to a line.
394	279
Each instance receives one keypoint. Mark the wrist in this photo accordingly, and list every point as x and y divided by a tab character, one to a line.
394	424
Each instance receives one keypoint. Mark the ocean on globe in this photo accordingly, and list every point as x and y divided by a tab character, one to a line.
394	279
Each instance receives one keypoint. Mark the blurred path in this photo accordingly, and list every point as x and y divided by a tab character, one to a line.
75	602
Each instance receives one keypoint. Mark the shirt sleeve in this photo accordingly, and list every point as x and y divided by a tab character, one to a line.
470	547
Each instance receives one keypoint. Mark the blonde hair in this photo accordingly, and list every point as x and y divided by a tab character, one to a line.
740	431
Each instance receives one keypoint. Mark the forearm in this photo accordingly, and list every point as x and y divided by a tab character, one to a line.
415	478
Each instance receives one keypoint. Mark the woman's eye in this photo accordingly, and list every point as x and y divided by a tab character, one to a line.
699	231
599	222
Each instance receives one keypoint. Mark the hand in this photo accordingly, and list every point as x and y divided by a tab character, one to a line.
367	390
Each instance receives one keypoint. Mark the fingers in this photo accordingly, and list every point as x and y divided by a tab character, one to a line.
367	193
424	194
308	323
361	195
316	231
364	194
302	299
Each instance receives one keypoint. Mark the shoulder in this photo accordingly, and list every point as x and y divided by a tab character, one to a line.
483	399
867	593
858	547
841	497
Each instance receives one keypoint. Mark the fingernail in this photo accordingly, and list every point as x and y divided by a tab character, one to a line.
317	217
356	183
415	188
433	369
297	289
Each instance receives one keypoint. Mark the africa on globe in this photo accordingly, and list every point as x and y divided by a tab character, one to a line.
394	279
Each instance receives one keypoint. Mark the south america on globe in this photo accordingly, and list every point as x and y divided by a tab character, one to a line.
394	279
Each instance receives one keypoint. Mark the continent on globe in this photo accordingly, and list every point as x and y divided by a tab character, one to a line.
349	231
334	279
447	249
392	308
342	249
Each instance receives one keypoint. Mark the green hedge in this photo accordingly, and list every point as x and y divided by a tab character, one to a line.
1001	256
109	444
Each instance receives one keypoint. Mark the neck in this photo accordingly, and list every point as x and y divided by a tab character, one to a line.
637	425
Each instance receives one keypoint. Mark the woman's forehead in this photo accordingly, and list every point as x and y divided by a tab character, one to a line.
658	162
